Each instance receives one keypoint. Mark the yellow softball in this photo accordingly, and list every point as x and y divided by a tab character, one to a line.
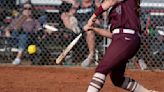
32	49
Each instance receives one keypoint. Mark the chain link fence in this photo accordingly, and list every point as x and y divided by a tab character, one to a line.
50	44
151	52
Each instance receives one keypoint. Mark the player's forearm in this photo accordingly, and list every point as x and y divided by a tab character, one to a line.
105	6
102	8
109	3
102	32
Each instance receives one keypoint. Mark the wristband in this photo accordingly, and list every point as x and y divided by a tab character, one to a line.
99	11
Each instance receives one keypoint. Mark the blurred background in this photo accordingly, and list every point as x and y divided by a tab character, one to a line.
50	44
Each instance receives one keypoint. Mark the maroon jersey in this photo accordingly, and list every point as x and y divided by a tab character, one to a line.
125	15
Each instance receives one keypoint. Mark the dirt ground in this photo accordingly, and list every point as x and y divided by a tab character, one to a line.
66	79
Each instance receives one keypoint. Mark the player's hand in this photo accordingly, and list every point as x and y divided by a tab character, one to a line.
89	25
91	22
87	28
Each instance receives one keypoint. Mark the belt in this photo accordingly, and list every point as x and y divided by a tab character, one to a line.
126	31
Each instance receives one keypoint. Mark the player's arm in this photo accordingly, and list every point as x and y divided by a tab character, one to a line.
101	31
103	7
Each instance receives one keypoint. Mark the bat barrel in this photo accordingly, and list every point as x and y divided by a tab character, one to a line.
68	48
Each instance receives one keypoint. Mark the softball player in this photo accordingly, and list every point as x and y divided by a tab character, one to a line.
125	29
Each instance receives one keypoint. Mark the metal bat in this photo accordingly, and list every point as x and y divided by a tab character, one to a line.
68	48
